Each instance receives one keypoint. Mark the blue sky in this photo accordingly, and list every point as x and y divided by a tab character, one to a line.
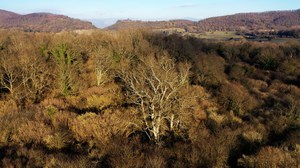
145	9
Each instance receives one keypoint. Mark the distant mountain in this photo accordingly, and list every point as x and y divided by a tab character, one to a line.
275	20
44	22
264	21
6	15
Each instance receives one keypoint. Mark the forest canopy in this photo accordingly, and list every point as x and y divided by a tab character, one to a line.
134	98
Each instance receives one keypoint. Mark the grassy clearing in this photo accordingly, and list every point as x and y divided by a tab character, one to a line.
220	35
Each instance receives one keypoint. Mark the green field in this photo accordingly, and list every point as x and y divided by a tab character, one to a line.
218	35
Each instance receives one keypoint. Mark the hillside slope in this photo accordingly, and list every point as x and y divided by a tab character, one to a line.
44	22
277	20
6	15
265	21
127	24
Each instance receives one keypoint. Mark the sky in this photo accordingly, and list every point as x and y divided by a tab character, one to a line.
104	12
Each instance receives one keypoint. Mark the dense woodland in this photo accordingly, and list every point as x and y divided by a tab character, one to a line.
243	22
263	22
276	20
293	33
41	22
141	99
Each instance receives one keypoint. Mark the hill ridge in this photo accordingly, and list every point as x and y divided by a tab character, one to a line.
41	22
250	21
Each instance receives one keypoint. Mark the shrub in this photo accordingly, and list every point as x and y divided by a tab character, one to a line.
209	70
236	98
267	59
268	157
252	137
98	130
58	140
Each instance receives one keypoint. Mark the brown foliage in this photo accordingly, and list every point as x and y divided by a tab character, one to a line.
41	22
269	157
226	107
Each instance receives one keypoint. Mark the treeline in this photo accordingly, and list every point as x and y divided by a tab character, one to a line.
41	22
127	24
294	33
277	20
141	99
248	22
289	33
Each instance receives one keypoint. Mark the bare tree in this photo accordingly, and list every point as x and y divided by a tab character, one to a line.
35	76
103	63
153	83
11	78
